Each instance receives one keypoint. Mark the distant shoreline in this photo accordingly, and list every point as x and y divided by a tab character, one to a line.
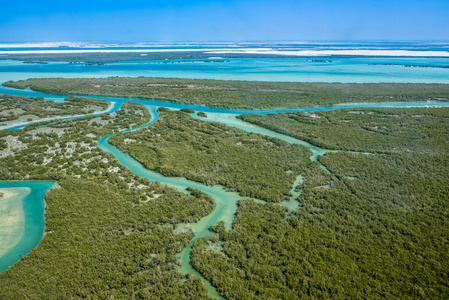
247	51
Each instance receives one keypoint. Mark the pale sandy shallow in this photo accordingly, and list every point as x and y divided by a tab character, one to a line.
37	45
100	45
12	217
111	51
270	51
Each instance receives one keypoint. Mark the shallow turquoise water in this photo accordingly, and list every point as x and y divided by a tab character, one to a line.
33	206
232	121
350	69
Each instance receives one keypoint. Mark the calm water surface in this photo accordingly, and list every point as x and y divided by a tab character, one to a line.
354	69
33	206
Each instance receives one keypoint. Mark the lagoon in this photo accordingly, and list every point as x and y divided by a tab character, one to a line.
24	212
339	69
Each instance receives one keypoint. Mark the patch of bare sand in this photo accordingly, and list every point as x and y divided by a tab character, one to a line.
12	217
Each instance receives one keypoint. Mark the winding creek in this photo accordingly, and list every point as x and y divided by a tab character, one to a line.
225	208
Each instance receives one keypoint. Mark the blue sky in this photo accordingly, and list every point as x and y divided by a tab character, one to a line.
223	20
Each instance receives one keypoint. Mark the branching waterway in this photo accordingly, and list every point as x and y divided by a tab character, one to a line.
225	201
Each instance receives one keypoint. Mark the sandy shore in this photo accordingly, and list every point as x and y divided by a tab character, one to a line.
8	193
12	217
233	50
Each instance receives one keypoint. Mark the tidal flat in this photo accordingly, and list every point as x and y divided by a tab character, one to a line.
12	217
22	218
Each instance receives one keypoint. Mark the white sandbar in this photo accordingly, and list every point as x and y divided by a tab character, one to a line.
12	217
269	51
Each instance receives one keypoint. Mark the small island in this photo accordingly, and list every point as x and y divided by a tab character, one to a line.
237	94
409	66
36	62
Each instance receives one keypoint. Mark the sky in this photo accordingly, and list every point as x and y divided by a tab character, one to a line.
223	20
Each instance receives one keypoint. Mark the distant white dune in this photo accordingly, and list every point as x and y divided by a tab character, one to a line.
71	51
41	45
270	51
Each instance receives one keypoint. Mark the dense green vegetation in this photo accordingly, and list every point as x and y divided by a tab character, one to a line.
187	110
213	153
29	108
379	231
316	177
238	94
110	234
384	130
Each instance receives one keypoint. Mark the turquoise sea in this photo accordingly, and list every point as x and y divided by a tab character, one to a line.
312	69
